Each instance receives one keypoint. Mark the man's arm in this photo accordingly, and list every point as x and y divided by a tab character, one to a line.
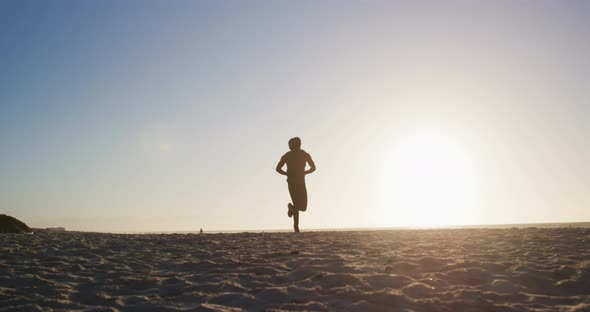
311	165
280	166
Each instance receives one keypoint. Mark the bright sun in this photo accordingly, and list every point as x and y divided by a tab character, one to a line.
428	180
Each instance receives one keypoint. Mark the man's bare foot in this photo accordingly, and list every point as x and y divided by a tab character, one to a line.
290	211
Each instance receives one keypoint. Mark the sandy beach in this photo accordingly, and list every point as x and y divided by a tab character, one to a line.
420	270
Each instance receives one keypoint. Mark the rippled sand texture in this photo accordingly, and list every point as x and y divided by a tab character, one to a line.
422	270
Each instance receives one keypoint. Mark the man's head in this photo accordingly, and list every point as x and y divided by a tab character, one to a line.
295	144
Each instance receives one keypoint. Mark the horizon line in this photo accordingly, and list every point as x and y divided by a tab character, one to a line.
336	229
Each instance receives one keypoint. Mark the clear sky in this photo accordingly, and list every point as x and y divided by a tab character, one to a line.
171	115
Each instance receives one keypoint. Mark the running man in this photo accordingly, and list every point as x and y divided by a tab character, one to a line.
296	160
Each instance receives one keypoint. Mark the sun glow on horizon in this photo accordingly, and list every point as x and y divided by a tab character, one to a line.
428	179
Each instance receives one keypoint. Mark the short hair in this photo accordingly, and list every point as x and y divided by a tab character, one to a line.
295	143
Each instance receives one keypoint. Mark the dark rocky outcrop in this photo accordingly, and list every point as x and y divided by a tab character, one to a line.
9	224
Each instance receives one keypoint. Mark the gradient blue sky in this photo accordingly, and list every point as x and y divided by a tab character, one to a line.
171	115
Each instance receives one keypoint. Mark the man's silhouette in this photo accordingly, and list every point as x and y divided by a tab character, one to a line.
296	159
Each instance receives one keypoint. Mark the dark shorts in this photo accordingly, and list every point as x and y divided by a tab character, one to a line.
298	193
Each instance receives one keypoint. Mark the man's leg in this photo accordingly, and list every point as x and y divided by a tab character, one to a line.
296	221
292	193
298	194
302	195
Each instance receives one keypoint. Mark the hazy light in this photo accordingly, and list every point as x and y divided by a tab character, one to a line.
428	179
153	115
